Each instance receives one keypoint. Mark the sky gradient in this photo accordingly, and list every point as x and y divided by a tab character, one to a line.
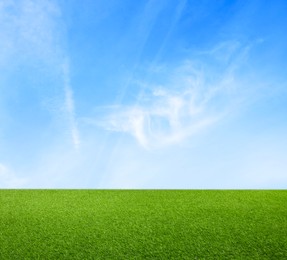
143	94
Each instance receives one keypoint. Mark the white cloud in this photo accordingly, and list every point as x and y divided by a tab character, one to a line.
168	119
191	98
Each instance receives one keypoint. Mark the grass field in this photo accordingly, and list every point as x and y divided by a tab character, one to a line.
143	224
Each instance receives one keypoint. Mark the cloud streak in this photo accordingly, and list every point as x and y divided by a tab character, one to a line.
33	36
69	106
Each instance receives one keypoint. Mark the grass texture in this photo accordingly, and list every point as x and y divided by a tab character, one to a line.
143	224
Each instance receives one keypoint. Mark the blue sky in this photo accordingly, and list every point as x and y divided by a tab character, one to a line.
143	94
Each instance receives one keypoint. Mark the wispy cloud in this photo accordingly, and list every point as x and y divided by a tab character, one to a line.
192	97
69	105
32	35
29	30
169	119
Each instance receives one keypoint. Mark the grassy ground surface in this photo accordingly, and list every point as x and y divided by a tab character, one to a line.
143	224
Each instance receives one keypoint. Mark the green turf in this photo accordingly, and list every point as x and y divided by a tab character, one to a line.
143	224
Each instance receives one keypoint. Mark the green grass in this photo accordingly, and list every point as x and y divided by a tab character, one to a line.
143	224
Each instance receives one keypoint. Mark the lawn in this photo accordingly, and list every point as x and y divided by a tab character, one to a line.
143	224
